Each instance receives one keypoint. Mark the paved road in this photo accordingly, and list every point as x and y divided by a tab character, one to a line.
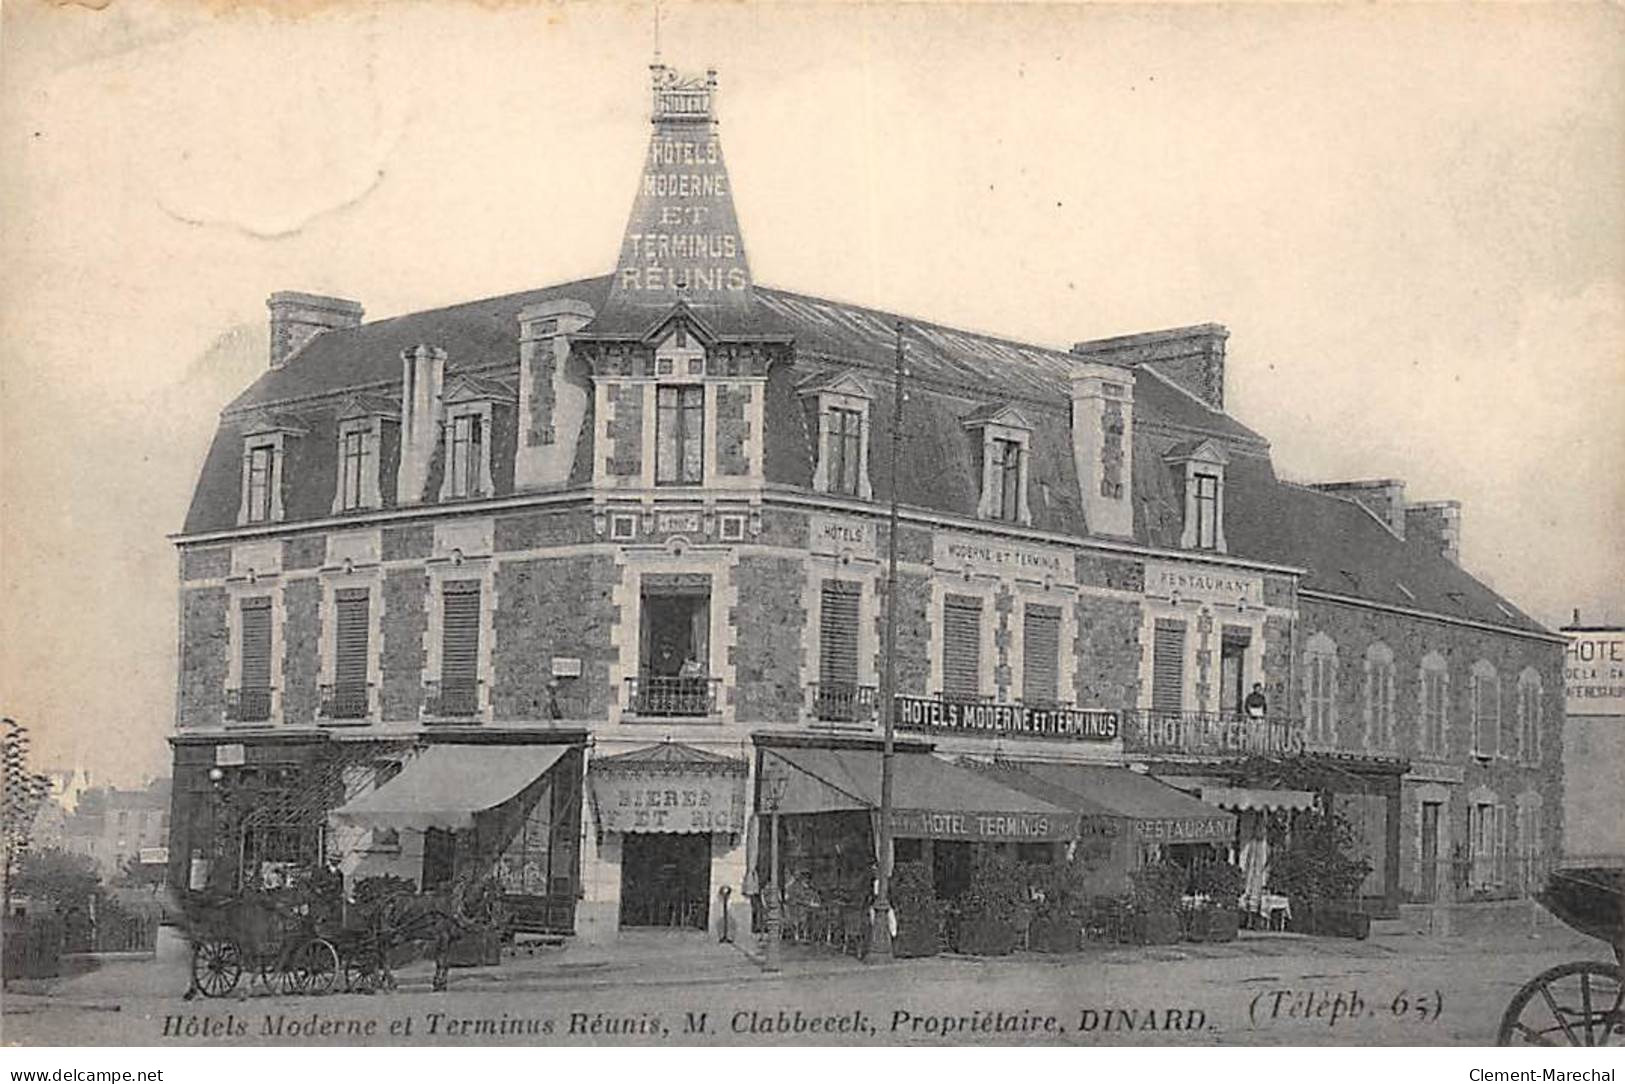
1388	991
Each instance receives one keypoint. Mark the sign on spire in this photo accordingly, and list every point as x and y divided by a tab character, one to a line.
682	239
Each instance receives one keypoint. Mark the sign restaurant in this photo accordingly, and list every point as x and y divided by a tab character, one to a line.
977	717
669	802
1164	579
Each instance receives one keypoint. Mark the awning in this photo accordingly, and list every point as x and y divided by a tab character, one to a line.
445	785
1241	798
1157	813
931	798
670	787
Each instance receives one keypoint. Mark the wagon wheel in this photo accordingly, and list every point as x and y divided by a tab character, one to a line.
364	970
1574	1004
217	965
319	961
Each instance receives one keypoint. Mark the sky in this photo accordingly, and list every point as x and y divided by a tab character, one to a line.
1411	219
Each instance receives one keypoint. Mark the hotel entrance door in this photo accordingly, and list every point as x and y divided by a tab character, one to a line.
666	879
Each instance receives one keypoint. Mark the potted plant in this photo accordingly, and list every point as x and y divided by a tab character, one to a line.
989	908
1157	890
919	912
1217	917
1060	905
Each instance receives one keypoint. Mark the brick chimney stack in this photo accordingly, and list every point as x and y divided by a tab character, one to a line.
1437	523
1192	357
1382	497
297	318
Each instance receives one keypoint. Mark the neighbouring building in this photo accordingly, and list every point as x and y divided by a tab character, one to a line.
116	828
547	583
1594	743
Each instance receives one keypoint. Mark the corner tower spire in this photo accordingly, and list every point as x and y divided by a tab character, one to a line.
682	240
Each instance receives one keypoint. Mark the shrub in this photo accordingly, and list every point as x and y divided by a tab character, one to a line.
1221	882
1317	866
1157	887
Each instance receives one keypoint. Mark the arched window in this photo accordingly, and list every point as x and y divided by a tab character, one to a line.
1435	705
1529	716
1379	697
1320	689
1486	710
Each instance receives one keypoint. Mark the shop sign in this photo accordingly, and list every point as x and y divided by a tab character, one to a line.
669	802
933	714
1201	583
1002	559
1594	672
840	534
1185	829
983	826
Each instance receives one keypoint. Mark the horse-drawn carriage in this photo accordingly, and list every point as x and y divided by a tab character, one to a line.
1580	1003
307	941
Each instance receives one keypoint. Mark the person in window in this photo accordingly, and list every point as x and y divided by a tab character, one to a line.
1256	706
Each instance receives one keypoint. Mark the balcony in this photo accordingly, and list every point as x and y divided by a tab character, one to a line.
452	699
248	705
663	697
842	702
1205	734
346	702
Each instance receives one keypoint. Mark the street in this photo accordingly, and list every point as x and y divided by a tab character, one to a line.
672	989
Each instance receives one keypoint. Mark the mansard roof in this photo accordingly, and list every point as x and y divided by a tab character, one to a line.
953	373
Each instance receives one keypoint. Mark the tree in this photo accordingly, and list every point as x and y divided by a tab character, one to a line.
24	791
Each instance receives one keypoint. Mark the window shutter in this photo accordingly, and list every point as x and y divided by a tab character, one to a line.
350	655
838	633
1168	667
1040	654
460	627
961	646
256	633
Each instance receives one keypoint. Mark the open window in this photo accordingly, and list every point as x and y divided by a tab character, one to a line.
1198	468
674	648
1003	437
840	404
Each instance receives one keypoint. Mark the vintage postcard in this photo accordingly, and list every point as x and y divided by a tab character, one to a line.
1086	525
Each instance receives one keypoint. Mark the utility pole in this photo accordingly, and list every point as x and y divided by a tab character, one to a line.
880	941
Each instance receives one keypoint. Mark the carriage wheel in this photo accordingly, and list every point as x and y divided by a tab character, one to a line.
363	972
1573	1004
320	962
217	965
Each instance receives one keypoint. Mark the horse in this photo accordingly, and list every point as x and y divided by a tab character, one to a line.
435	920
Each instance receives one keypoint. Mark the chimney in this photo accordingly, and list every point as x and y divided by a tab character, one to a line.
297	318
1103	445
1382	497
552	396
1438	524
1192	357
423	371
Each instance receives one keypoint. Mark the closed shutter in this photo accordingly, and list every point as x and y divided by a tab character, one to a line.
1041	654
838	633
961	646
1168	667
256	656
460	626
350	655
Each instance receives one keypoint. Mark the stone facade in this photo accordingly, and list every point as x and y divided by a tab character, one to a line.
547	608
203	658
733	429
772	628
301	660
1107	655
406	619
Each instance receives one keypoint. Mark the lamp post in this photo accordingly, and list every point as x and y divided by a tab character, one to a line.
772	782
880	935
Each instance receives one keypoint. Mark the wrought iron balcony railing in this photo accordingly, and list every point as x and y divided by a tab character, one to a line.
667	696
452	699
842	702
1195	733
346	701
248	705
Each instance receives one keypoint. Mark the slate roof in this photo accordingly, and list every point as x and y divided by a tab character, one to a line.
953	373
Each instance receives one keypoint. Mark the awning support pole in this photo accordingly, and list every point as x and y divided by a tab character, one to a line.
880	946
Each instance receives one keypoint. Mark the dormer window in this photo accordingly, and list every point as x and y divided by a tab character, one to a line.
259	470
465	456
680	435
361	421
265	438
1198	468
471	402
840	404
1005	436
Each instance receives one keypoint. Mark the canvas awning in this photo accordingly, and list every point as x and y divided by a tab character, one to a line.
670	787
931	798
1157	813
1241	798
446	785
